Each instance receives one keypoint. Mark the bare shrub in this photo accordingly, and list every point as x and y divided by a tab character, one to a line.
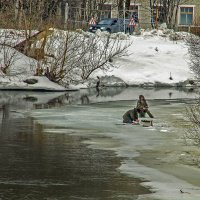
193	43
71	56
8	54
193	133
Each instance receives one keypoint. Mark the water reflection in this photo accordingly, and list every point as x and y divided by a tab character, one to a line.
98	91
30	98
39	165
5	116
85	99
41	100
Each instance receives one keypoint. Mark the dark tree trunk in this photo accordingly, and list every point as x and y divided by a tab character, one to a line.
127	4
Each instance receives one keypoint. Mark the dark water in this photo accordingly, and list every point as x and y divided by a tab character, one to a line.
39	165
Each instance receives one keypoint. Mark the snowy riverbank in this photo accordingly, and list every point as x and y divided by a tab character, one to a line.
153	60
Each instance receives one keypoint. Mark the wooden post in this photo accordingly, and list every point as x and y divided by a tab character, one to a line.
157	12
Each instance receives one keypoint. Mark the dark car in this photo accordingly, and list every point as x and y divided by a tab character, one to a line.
111	25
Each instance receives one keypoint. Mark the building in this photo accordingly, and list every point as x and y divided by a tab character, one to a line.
189	13
186	14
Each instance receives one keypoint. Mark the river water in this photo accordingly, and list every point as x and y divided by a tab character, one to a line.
74	146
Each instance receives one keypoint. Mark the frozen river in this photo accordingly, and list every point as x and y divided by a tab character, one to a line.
74	146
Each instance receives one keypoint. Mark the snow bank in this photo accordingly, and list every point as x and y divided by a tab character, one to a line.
20	65
152	61
13	37
43	83
155	58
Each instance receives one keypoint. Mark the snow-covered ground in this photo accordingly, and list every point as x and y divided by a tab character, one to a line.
153	59
43	83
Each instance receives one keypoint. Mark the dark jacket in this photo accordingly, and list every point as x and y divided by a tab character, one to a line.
130	116
142	108
142	105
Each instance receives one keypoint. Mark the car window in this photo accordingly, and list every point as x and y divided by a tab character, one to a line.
122	21
106	21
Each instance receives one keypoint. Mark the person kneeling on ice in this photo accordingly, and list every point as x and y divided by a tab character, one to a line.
131	116
142	107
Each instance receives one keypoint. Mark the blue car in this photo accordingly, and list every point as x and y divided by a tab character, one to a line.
111	25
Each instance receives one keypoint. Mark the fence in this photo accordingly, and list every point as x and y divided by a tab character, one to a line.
80	17
191	29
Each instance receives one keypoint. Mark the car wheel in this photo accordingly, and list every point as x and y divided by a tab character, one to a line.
108	30
127	30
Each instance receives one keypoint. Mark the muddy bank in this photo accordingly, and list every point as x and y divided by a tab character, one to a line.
158	160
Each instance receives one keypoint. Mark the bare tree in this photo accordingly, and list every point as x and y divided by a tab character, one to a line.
29	13
91	8
72	56
193	43
8	54
165	11
99	53
192	135
120	4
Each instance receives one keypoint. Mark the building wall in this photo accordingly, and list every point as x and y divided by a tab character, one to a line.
84	13
144	11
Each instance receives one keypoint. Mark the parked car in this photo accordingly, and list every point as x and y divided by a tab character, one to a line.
111	25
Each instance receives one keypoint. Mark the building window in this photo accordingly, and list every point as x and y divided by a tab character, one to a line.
105	11
133	12
186	15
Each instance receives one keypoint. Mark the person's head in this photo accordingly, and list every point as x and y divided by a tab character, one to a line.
141	98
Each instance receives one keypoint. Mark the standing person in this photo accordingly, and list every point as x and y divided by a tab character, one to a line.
131	116
98	82
97	86
142	107
47	73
